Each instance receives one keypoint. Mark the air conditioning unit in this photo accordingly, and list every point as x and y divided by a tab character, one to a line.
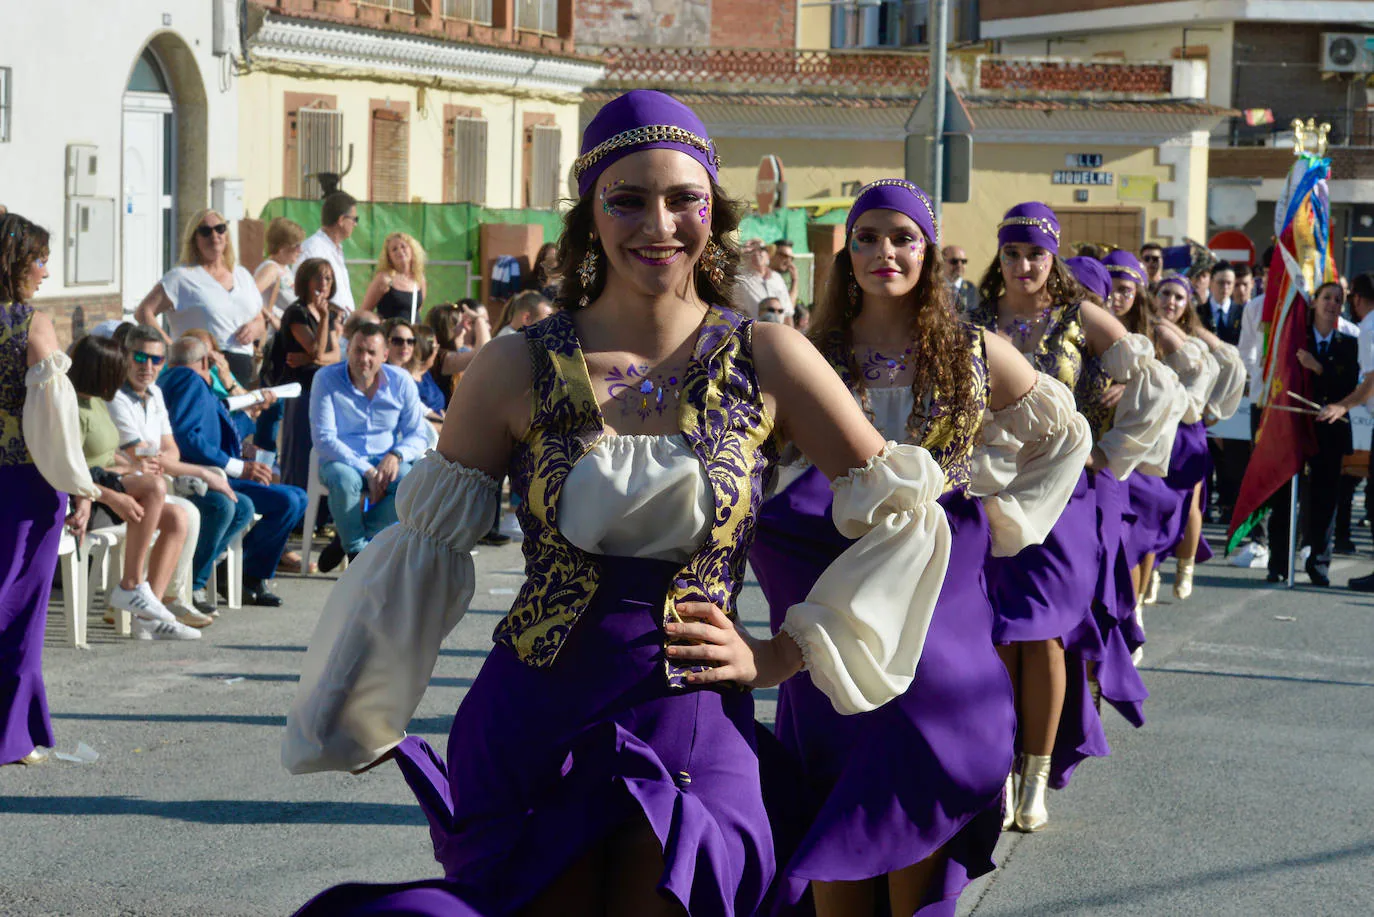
1347	52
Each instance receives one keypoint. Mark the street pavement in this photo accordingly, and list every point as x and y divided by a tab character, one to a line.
1249	791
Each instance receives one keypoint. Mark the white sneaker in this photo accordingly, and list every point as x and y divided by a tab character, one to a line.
1261	558
163	630
140	602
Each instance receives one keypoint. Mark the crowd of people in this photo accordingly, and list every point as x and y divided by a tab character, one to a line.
956	499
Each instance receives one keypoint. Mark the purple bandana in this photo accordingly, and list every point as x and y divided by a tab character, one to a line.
1033	223
641	119
1092	275
901	196
1122	263
1178	280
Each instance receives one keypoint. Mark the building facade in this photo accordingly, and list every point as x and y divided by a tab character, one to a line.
114	154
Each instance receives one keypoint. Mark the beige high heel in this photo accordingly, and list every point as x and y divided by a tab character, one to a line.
1031	814
1009	802
1183	579
1152	591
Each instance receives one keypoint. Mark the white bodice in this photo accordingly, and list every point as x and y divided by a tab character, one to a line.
637	496
891	407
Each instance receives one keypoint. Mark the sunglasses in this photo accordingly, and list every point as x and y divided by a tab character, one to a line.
1151	259
140	357
205	231
402	342
956	261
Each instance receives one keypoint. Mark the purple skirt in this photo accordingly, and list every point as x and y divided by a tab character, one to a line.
888	788
547	763
30	530
1046	593
1114	603
1190	465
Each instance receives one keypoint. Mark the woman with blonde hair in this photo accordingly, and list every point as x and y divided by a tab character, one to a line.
398	288
209	289
276	276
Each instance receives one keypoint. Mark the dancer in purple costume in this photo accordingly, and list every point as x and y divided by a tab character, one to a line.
910	795
40	464
1043	597
605	759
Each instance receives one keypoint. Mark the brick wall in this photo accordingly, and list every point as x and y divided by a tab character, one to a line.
1278	66
754	24
74	316
671	23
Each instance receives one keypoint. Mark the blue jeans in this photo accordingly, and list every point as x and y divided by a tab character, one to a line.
346	489
220	520
281	507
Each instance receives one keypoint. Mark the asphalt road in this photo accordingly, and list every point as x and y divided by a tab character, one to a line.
1248	792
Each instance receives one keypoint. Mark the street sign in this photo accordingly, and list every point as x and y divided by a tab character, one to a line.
1233	246
958	170
957	119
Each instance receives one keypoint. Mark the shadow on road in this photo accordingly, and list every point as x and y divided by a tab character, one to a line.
223	811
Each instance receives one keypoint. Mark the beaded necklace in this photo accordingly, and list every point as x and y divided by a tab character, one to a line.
1021	330
876	363
640	393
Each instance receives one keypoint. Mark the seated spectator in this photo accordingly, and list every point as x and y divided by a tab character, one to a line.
206	434
784	262
758	281
426	350
226	386
770	310
400	341
546	276
129	496
145	437
366	418
527	308
303	350
357	319
460	329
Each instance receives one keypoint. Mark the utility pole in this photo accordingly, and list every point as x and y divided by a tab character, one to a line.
937	37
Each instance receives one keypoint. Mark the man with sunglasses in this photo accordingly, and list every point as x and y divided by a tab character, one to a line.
956	266
338	219
1152	258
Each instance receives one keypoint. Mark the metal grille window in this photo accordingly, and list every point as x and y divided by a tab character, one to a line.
321	147
537	16
471	10
5	107
405	6
546	168
470	160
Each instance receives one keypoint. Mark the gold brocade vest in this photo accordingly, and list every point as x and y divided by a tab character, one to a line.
951	438
1063	352
722	418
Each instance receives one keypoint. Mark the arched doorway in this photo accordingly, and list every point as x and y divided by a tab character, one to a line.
149	178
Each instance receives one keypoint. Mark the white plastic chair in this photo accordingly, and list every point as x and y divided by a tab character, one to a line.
74	587
314	490
105	548
233	561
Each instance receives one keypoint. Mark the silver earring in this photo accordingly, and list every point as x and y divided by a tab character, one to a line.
586	272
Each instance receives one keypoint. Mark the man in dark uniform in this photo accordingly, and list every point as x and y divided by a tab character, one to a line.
1332	361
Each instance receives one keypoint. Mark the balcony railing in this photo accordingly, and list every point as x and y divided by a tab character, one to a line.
1349	127
469	10
738	68
404	6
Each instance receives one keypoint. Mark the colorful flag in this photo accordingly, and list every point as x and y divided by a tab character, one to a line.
1302	262
1257	116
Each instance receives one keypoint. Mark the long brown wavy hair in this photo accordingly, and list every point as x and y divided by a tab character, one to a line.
576	238
21	244
1143	318
940	352
1063	286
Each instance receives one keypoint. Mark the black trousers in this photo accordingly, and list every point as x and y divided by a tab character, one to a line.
1318	494
1345	507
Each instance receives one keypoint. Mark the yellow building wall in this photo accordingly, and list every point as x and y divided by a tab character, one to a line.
1145	45
813	168
262	134
813	26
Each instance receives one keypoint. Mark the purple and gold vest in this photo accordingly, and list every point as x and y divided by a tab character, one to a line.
722	418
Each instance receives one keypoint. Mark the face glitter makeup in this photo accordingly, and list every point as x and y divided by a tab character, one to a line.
608	207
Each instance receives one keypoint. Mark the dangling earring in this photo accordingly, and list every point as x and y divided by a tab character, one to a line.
855	298
712	262
586	272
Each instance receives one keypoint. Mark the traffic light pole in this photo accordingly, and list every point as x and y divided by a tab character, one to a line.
937	33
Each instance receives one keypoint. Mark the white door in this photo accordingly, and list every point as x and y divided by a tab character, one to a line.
145	202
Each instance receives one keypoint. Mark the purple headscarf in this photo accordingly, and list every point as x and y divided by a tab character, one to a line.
1033	223
1179	280
899	195
1124	264
641	119
1092	275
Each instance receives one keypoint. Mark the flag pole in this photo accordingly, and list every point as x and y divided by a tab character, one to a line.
1293	529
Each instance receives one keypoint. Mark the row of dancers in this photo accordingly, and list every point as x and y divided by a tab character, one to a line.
951	517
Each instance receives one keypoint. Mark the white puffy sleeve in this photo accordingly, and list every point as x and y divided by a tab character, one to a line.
376	643
1229	388
1147	416
1197	371
863	625
1027	464
52	427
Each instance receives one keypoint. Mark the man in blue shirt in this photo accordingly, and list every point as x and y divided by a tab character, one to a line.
206	435
367	423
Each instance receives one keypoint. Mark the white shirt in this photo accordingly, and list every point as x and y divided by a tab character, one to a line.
753	289
140	420
1221	311
1366	337
1250	342
200	301
1346	326
321	246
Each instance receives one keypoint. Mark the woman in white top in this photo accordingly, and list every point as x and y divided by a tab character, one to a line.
209	290
276	276
617	769
397	289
